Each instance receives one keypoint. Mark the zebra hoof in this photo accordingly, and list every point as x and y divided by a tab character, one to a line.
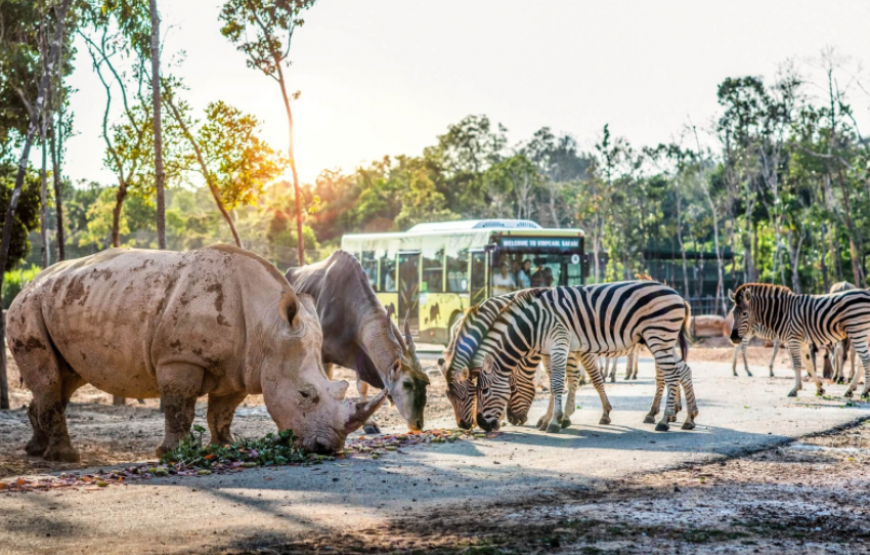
820	392
566	422
649	419
848	393
554	428
792	393
662	427
749	374
688	425
541	424
371	428
605	420
866	395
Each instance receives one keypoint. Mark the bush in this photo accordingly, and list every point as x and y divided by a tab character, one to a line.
14	281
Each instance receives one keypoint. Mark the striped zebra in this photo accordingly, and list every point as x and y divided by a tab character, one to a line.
598	320
844	349
466	337
819	320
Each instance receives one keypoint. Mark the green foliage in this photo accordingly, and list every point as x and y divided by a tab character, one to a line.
26	216
16	280
257	26
271	450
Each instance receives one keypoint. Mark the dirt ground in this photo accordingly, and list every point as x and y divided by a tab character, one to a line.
808	497
105	434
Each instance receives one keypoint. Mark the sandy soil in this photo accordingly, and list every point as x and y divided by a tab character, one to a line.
805	498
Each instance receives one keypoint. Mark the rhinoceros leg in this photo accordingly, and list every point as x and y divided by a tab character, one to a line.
52	383
179	385
220	416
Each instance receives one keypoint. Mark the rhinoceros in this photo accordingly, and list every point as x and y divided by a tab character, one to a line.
358	334
218	321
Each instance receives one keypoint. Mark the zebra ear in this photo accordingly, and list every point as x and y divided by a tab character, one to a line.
731	296
488	363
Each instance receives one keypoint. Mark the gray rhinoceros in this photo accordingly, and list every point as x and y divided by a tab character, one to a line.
358	334
219	321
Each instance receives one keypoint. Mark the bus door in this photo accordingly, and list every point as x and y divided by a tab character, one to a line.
409	290
479	279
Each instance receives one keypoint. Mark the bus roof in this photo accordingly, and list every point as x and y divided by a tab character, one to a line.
484	227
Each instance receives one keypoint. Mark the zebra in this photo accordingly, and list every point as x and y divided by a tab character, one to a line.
843	349
607	319
820	320
466	336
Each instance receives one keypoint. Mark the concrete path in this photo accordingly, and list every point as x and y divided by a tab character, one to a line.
192	514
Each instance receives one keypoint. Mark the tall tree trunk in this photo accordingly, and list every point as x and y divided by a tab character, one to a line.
682	245
795	254
215	193
43	194
58	192
9	220
824	262
159	174
297	192
857	273
120	197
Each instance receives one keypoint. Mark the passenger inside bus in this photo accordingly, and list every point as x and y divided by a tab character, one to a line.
524	275
503	282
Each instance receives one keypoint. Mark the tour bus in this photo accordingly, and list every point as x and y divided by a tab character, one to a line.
434	271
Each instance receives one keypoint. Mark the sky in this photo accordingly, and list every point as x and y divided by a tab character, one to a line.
385	77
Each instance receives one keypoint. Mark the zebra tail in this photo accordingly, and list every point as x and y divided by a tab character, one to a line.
685	335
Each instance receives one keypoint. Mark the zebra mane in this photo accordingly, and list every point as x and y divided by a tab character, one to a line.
766	289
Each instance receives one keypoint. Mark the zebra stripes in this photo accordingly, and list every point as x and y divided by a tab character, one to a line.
820	320
598	320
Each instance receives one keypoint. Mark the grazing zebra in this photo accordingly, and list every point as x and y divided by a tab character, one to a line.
820	320
598	320
466	337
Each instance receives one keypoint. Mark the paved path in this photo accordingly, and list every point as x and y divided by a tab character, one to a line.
174	515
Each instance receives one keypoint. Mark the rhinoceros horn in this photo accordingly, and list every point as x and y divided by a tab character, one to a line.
363	412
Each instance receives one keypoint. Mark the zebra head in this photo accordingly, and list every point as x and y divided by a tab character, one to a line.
493	393
744	317
460	393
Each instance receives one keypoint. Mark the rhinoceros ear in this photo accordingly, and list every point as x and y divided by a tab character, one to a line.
289	308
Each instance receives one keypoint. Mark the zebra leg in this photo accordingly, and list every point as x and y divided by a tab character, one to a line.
572	375
860	345
734	362
665	359
794	350
590	363
773	356
657	399
812	370
742	347
613	363
558	364
854	356
545	419
685	374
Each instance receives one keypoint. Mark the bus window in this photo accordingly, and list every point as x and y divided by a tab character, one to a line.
370	267
433	271
388	274
478	277
457	271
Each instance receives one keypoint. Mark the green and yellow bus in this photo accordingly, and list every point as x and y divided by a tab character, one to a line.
434	271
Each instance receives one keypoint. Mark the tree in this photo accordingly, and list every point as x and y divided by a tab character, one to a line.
232	160
272	23
5	244
159	173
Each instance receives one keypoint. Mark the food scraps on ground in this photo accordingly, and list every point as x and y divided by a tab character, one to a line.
190	459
